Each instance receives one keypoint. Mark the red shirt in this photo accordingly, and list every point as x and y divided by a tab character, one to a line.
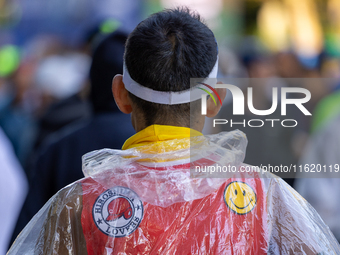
231	220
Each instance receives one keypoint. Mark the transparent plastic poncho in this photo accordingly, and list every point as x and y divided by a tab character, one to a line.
144	201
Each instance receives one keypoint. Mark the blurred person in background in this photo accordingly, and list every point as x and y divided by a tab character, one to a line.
61	80
21	101
322	152
58	161
329	107
296	72
13	190
18	101
322	191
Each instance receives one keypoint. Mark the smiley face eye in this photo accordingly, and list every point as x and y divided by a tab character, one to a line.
244	193
235	192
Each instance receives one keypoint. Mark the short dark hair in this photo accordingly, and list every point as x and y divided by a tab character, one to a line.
163	52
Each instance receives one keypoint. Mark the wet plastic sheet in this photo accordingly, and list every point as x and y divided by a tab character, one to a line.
143	201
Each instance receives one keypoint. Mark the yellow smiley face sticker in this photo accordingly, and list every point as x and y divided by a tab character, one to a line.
240	197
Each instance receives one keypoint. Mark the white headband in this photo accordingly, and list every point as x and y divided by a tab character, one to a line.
165	97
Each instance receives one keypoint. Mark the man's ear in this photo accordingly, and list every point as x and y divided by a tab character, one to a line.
213	109
121	95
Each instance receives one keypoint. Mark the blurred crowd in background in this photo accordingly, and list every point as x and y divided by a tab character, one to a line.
46	50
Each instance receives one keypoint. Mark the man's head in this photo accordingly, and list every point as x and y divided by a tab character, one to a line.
162	53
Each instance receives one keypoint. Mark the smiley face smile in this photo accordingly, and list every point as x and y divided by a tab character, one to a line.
240	207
